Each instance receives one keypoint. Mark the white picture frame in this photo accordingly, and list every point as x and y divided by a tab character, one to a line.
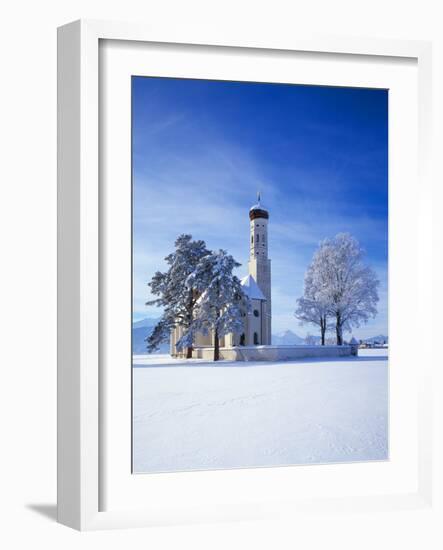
80	263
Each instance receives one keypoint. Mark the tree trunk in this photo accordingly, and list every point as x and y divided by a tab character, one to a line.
216	346
338	330
190	318
323	330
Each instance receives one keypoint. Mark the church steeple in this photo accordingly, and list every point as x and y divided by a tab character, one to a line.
259	217
258	211
259	263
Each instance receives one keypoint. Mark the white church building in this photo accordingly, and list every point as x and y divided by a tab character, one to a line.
254	343
257	324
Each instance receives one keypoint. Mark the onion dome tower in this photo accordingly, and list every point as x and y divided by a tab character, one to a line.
259	263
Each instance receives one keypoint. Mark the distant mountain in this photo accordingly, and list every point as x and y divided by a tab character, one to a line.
380	339
145	323
287	338
141	330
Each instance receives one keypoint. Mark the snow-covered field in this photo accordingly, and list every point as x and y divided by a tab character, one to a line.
199	415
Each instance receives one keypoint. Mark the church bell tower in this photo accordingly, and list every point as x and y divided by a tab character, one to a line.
259	263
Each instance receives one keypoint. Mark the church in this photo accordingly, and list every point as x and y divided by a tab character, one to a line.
257	320
254	343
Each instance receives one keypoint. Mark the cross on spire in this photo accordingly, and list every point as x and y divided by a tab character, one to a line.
258	197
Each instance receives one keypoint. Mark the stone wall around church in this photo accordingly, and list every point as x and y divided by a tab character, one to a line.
275	353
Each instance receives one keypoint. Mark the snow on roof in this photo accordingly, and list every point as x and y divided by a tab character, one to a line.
251	288
258	206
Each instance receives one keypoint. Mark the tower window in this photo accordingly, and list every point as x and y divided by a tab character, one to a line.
256	313
252	239
255	339
258	238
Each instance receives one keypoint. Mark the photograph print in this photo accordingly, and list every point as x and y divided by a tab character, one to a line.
260	274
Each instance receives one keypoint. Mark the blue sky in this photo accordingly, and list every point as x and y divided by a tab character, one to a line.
202	149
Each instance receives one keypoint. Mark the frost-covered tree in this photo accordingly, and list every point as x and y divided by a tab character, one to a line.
160	333
312	307
343	282
175	293
310	311
221	298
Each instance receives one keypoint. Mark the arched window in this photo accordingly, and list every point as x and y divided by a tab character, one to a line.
242	339
258	238
256	313
255	339
252	239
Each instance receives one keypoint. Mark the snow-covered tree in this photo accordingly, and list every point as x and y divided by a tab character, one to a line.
160	333
312	307
175	293
221	298
343	282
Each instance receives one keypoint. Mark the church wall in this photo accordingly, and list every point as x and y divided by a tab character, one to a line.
257	325
204	340
261	271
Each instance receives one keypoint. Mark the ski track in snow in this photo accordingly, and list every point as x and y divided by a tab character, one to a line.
195	415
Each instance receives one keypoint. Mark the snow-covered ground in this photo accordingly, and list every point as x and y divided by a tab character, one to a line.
199	415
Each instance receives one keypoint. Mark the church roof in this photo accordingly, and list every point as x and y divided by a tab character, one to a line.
258	210
251	288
